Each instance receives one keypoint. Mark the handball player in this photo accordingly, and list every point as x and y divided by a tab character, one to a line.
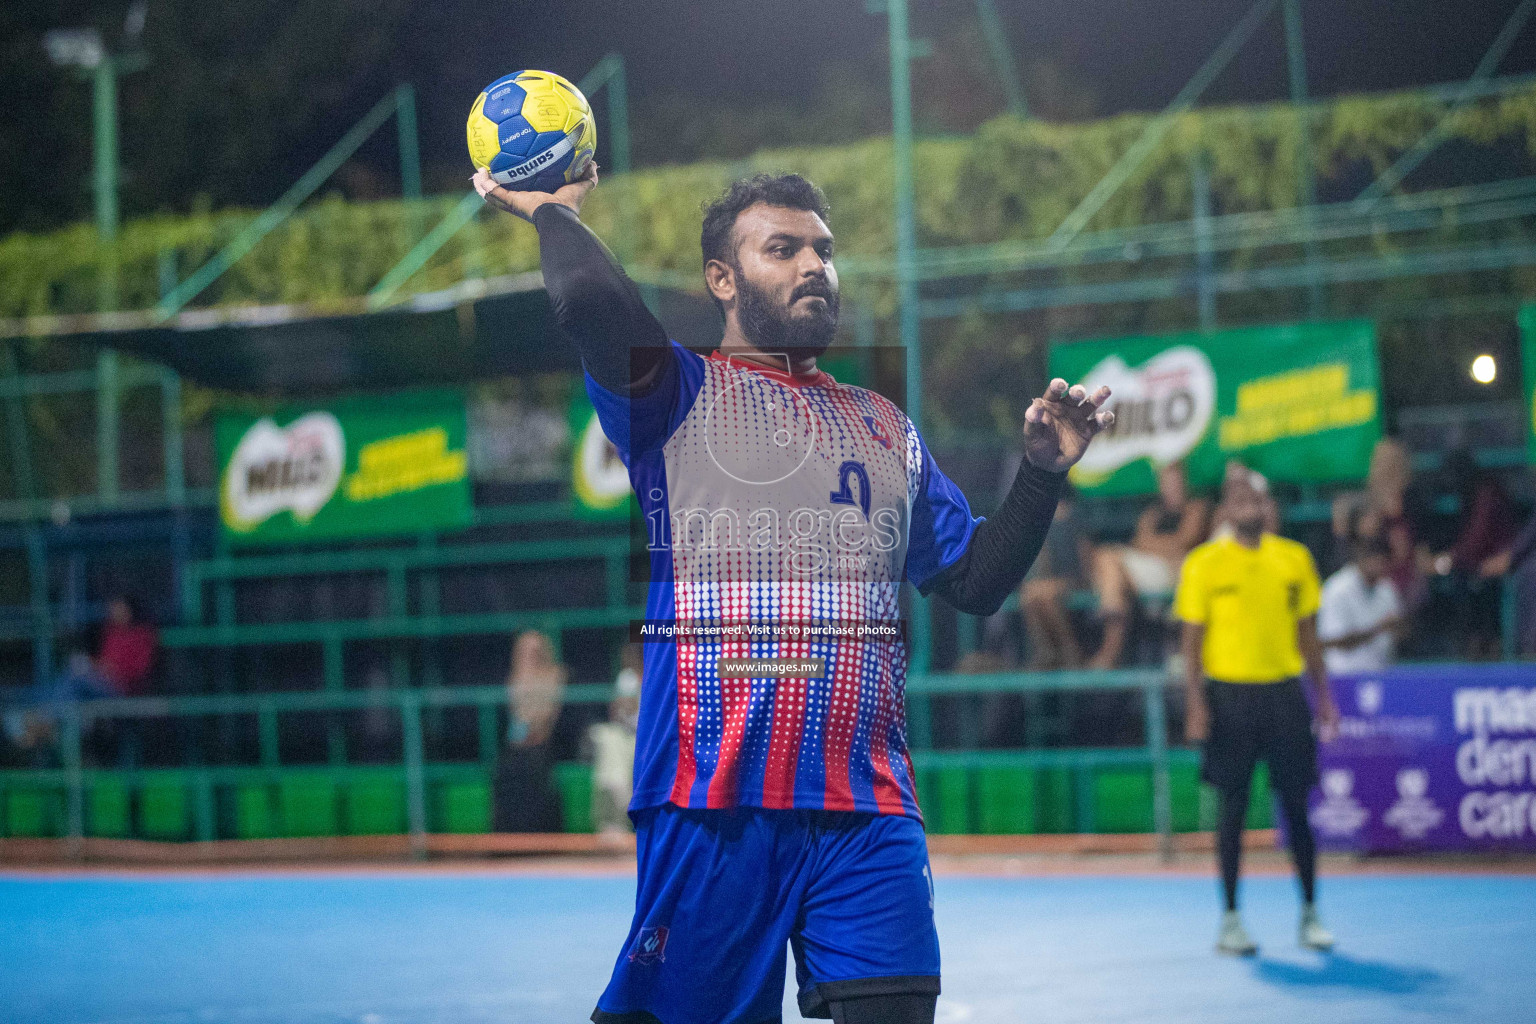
774	799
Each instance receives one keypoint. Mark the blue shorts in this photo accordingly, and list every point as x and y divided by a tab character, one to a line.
721	892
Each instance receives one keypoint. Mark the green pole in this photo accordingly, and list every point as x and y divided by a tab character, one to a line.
1157	753
410	157
415	772
165	271
333	660
32	536
42	609
106	425
906	217
170	418
17	432
1205	263
618	144
627	234
105	145
618	115
410	141
104	137
1002	57
1306	173
268	742
204	808
70	753
907	309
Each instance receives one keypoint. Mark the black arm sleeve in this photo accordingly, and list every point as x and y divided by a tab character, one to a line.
1004	546
596	304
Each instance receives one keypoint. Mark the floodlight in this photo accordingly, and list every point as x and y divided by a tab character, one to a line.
133	22
75	47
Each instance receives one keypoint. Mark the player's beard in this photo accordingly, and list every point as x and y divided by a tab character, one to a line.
772	327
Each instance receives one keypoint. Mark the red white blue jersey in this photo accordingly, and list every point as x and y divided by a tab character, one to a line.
783	513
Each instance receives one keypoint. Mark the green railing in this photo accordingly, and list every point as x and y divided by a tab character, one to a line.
396	563
75	779
404	569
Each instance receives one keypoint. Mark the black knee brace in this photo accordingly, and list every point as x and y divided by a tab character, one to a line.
906	1008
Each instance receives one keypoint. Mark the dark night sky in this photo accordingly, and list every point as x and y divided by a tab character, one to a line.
1135	54
1130	54
252	131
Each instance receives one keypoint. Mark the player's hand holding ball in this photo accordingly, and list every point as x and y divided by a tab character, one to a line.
532	137
1058	426
523	203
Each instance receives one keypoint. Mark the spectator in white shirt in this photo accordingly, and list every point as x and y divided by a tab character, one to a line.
1362	613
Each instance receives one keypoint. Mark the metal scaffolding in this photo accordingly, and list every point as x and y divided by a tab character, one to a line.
1376	236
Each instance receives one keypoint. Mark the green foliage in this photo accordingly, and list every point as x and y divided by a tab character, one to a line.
1010	181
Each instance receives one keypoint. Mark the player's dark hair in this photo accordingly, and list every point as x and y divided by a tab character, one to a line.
790	191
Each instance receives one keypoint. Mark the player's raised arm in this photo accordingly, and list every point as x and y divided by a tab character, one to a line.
622	345
1057	430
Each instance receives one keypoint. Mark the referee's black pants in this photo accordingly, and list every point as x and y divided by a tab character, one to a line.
1250	721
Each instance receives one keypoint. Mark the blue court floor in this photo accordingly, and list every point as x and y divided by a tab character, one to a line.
424	947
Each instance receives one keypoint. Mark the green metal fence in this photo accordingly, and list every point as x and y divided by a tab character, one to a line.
1000	778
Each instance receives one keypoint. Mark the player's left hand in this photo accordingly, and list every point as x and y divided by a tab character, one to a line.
1058	427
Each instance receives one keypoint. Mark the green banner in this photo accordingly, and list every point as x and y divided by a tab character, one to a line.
1298	403
1528	371
355	468
599	479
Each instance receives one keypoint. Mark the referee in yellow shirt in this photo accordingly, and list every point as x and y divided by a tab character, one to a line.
1249	607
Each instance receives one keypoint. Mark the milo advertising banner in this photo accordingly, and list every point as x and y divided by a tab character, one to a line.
599	479
1298	403
1528	370
1432	757
357	468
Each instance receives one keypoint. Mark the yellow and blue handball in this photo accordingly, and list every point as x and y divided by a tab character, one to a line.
533	131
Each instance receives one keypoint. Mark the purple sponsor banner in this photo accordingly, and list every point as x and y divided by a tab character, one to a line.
1438	757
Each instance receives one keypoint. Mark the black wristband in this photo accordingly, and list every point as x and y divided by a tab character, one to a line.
1004	546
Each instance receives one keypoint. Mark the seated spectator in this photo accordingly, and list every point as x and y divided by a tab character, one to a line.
613	748
535	690
524	798
1486	528
1486	517
1389	507
1519	562
31	724
127	650
1166	531
1057	572
125	659
1361	615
